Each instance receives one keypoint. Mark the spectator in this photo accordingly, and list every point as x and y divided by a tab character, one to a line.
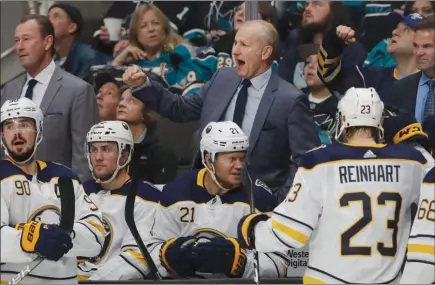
424	8
272	112
72	56
416	93
150	33
322	103
159	163
153	45
339	77
183	16
68	103
379	56
108	95
317	18
376	23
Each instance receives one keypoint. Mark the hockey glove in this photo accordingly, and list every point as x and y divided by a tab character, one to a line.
245	229
218	256
403	129
174	256
49	241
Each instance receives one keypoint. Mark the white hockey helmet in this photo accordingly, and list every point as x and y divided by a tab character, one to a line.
110	131
23	108
220	137
360	107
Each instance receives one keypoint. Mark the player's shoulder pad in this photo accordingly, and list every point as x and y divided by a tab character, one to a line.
336	151
91	187
50	170
406	152
265	201
148	192
8	169
180	188
315	156
430	176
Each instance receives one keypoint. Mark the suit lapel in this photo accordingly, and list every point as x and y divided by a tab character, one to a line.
263	110
52	89
17	87
223	97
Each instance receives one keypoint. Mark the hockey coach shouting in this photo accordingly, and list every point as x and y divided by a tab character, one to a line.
273	113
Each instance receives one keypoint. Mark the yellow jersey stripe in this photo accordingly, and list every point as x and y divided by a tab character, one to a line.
420	248
294	234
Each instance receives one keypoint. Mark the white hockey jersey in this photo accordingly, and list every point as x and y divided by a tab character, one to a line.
120	258
26	198
353	205
186	208
420	264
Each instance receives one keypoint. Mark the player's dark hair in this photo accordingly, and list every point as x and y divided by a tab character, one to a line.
45	26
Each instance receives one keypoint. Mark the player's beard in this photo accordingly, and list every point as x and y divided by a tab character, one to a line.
21	157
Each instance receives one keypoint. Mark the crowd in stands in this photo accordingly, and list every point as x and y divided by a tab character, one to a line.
293	67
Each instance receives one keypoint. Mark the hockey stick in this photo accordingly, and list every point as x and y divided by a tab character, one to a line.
67	214
247	183
129	219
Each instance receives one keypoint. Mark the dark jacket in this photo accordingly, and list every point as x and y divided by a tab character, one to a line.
157	164
80	59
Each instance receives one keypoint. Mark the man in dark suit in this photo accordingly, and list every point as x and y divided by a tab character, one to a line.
415	93
272	112
68	103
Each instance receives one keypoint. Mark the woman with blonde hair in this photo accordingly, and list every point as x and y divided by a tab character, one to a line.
155	46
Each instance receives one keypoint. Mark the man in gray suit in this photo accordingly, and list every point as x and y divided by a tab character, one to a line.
271	111
68	103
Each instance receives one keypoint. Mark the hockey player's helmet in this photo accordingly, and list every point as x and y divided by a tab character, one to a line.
222	137
111	131
23	108
360	107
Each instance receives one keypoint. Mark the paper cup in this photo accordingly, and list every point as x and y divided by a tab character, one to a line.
113	26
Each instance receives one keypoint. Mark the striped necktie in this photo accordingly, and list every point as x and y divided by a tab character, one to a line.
429	107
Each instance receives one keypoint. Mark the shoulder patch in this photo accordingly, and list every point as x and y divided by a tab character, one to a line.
317	148
263	185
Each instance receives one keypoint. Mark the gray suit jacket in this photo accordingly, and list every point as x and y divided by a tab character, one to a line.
70	109
283	129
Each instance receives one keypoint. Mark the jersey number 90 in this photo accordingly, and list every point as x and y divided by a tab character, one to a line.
367	217
22	187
